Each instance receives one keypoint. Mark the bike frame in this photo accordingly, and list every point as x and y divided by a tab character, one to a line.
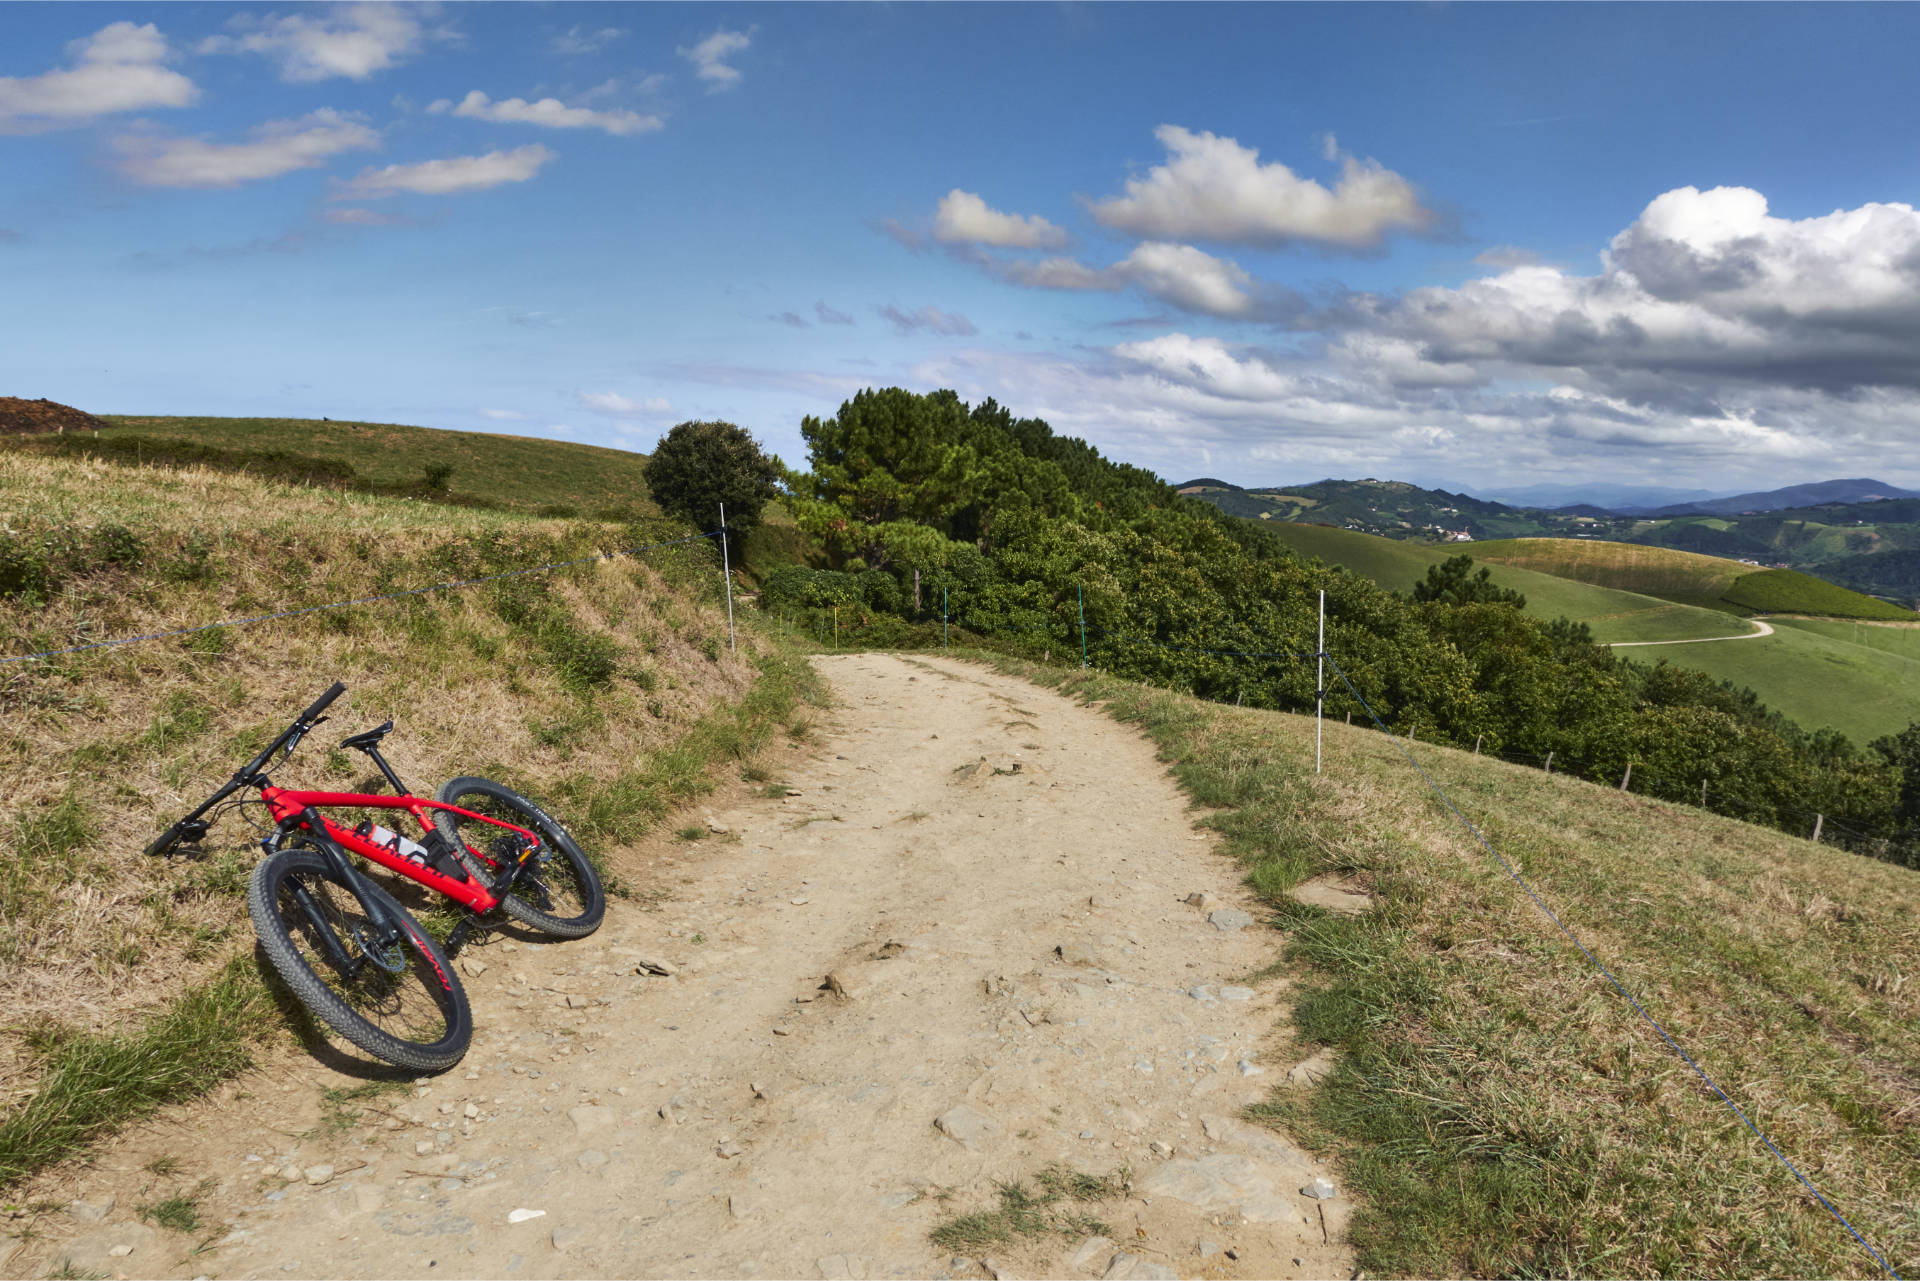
296	811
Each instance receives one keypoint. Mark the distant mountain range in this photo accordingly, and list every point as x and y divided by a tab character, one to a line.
1824	491
1861	533
1609	497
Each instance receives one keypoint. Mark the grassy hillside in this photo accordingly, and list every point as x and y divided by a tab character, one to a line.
1497	1108
513	472
1687	577
1614	615
604	688
1822	679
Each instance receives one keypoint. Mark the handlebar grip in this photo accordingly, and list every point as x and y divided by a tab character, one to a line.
165	841
320	704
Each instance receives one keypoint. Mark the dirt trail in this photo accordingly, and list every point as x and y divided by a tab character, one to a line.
952	829
1760	628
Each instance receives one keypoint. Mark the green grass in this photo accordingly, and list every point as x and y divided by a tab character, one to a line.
1054	1205
1497	1109
93	1082
1901	642
1712	582
1818	677
1614	615
516	472
1786	591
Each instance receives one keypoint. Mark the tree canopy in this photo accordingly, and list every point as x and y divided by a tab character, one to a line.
699	465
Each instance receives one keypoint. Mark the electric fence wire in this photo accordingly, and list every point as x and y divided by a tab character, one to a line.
1617	985
362	600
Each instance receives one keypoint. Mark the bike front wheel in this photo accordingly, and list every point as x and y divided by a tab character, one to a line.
398	1000
558	893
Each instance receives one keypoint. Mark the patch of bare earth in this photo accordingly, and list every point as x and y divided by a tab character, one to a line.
908	981
22	417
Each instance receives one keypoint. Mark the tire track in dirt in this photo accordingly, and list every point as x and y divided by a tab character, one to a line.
993	874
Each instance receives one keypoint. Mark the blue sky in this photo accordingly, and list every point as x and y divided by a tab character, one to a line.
1477	245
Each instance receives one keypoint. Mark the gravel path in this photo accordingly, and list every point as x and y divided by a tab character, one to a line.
1760	629
994	877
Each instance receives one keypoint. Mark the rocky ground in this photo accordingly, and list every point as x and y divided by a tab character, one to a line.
978	940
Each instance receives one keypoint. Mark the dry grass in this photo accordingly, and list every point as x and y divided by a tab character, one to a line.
563	683
1498	1107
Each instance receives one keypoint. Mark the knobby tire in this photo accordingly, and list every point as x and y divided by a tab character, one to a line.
562	874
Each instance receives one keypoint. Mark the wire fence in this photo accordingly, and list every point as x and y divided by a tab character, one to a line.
1061	630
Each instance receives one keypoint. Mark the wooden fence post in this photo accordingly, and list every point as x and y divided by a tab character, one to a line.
1476	744
1549	762
1626	777
1818	819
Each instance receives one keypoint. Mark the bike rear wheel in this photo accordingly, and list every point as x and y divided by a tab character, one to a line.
559	893
403	1003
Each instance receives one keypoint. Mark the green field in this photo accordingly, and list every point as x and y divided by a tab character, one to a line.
1689	578
1812	671
513	472
1614	615
1816	677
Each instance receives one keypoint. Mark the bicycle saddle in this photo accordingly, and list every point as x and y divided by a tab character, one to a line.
368	741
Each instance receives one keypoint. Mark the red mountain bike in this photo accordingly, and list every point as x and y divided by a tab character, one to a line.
348	951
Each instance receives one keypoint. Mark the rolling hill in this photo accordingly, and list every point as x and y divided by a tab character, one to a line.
1814	672
509	473
1711	582
1613	614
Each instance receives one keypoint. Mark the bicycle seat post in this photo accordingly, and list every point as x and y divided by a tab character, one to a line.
369	743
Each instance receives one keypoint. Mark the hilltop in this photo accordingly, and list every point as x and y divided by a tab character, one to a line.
477	469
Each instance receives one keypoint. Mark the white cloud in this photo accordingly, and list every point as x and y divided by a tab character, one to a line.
710	55
828	316
575	41
450	176
614	405
963	218
367	218
1189	279
550	113
116	69
503	415
1506	256
1705	288
1212	188
277	147
352	40
928	319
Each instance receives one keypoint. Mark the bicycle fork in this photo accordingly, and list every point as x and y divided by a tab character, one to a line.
386	930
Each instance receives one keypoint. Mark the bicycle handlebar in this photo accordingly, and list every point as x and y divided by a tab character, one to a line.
321	703
246	774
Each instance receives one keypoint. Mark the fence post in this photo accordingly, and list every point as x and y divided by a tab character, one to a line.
943	618
1349	718
1549	761
726	576
836	627
1081	593
1818	819
916	593
1320	682
1703	793
1626	777
1476	744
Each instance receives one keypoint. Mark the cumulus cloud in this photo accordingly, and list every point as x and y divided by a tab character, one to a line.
116	69
451	176
1212	188
1506	256
549	113
709	58
614	405
353	40
828	316
928	320
1704	288
1181	276
576	41
277	147
963	218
